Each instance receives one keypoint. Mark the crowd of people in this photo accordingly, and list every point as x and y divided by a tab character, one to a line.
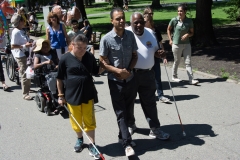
130	54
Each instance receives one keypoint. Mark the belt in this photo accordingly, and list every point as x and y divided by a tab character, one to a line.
141	70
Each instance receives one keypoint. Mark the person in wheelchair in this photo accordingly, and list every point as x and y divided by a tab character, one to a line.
46	64
45	57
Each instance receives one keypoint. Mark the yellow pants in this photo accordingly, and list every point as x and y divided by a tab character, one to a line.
85	116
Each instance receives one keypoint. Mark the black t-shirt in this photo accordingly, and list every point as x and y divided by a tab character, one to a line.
78	82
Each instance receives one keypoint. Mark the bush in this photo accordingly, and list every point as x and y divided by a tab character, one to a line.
234	10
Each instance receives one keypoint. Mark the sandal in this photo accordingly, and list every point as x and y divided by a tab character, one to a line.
28	98
5	88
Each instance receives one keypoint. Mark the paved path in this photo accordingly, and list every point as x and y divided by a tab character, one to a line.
209	112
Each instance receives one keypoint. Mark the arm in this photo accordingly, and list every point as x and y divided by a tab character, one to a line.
61	99
65	34
85	30
169	34
165	57
107	66
133	60
187	35
27	45
36	63
47	34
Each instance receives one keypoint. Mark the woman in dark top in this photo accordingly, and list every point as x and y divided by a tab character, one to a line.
75	68
87	29
148	17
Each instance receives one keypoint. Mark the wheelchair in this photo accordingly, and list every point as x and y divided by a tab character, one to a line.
11	63
46	97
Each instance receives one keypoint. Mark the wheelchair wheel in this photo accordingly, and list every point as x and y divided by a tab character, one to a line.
47	110
10	68
41	103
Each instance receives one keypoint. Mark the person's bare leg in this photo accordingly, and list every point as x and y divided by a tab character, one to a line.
79	134
91	135
4	84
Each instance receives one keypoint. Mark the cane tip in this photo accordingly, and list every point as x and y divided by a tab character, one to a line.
184	134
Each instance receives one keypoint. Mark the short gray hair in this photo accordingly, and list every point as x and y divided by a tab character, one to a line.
134	13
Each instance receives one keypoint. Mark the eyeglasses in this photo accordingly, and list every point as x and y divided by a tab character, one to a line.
139	22
150	13
52	17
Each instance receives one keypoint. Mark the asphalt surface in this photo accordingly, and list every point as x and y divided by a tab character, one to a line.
209	113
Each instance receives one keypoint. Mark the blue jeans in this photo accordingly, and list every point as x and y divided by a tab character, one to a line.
156	68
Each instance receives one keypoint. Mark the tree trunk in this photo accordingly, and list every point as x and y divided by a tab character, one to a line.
80	5
156	4
118	3
203	29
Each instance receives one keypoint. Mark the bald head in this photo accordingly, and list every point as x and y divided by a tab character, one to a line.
137	23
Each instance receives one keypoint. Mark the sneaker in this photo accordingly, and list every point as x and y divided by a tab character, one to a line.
79	145
176	79
157	133
164	99
129	151
93	152
133	144
193	82
132	129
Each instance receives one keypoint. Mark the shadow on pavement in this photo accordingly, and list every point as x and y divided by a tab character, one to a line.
183	97
193	133
212	80
177	98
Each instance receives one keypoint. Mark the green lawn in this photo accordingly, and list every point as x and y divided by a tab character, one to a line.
105	7
101	22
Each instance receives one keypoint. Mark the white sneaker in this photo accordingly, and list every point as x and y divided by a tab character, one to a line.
132	129
193	82
176	79
133	144
164	99
157	133
129	151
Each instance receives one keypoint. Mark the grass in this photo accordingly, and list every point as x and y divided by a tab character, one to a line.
101	21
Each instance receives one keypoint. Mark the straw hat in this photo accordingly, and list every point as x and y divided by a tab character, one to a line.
39	44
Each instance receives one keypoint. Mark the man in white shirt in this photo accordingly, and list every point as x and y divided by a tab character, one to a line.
145	78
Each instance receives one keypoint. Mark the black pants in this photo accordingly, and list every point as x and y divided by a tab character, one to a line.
2	79
123	96
146	89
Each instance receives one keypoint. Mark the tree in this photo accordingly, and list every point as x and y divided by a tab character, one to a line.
203	29
118	3
80	5
234	11
156	4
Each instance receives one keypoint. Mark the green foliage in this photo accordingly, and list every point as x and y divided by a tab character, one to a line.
234	10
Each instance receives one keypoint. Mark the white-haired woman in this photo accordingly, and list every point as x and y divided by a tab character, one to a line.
20	46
